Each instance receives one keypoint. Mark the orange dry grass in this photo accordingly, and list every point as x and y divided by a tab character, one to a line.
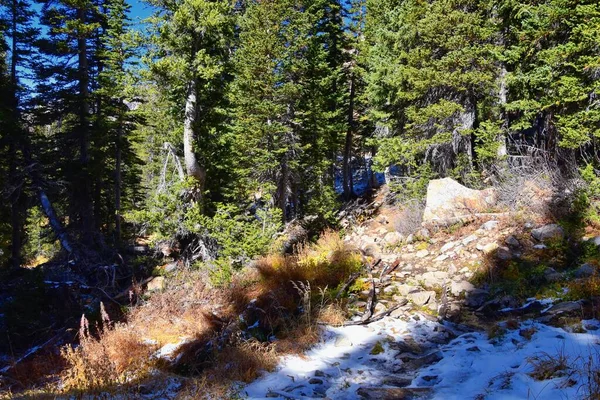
116	357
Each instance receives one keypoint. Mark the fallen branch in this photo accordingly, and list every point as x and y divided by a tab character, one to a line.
347	284
375	318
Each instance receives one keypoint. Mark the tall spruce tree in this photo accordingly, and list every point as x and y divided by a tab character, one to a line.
190	61
553	58
64	82
433	81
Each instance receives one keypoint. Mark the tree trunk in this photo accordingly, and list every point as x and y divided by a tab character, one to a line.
193	168
283	188
346	170
502	96
118	184
47	207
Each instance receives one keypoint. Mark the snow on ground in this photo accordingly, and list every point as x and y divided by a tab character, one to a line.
472	367
499	369
342	362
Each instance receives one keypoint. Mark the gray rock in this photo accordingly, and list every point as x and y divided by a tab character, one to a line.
489	248
596	240
585	271
552	275
421	362
469	239
447	247
490	225
475	298
421	298
397	381
564	307
422	253
315	381
393	238
156	284
503	253
424	233
512	242
410	238
456	288
342	341
550	231
448	201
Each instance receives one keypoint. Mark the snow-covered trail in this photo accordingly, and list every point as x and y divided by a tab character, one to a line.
379	361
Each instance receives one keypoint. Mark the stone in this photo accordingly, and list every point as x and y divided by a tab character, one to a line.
448	201
424	234
315	381
489	248
396	381
585	271
469	239
596	240
550	231
156	284
441	257
379	308
421	298
512	242
410	238
319	373
457	288
447	247
421	362
170	267
552	275
422	253
564	307
393	238
503	253
380	393
405	289
342	341
475	298
490	225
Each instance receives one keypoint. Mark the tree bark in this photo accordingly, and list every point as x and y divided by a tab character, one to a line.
283	188
346	170
192	166
118	152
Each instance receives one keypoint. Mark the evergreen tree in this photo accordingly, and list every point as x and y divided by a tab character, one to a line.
190	61
433	81
64	82
553	59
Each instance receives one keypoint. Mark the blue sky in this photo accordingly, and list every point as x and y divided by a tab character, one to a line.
139	10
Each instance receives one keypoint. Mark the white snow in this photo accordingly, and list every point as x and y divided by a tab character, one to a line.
499	369
344	367
473	366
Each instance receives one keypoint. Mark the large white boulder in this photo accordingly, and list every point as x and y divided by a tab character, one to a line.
448	201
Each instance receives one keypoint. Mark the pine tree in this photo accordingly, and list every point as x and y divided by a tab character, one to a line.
191	62
16	16
433	81
553	58
65	99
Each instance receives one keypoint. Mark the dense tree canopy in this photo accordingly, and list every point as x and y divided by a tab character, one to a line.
220	120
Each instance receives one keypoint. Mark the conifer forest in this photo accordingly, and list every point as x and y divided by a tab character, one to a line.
238	179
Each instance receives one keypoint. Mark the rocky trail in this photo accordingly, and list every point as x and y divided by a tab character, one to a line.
441	336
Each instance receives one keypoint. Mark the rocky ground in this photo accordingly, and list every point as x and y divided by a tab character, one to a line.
443	333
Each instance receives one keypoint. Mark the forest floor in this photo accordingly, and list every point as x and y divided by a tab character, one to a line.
502	306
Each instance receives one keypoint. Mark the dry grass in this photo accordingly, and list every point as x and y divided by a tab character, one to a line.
116	357
546	366
284	296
